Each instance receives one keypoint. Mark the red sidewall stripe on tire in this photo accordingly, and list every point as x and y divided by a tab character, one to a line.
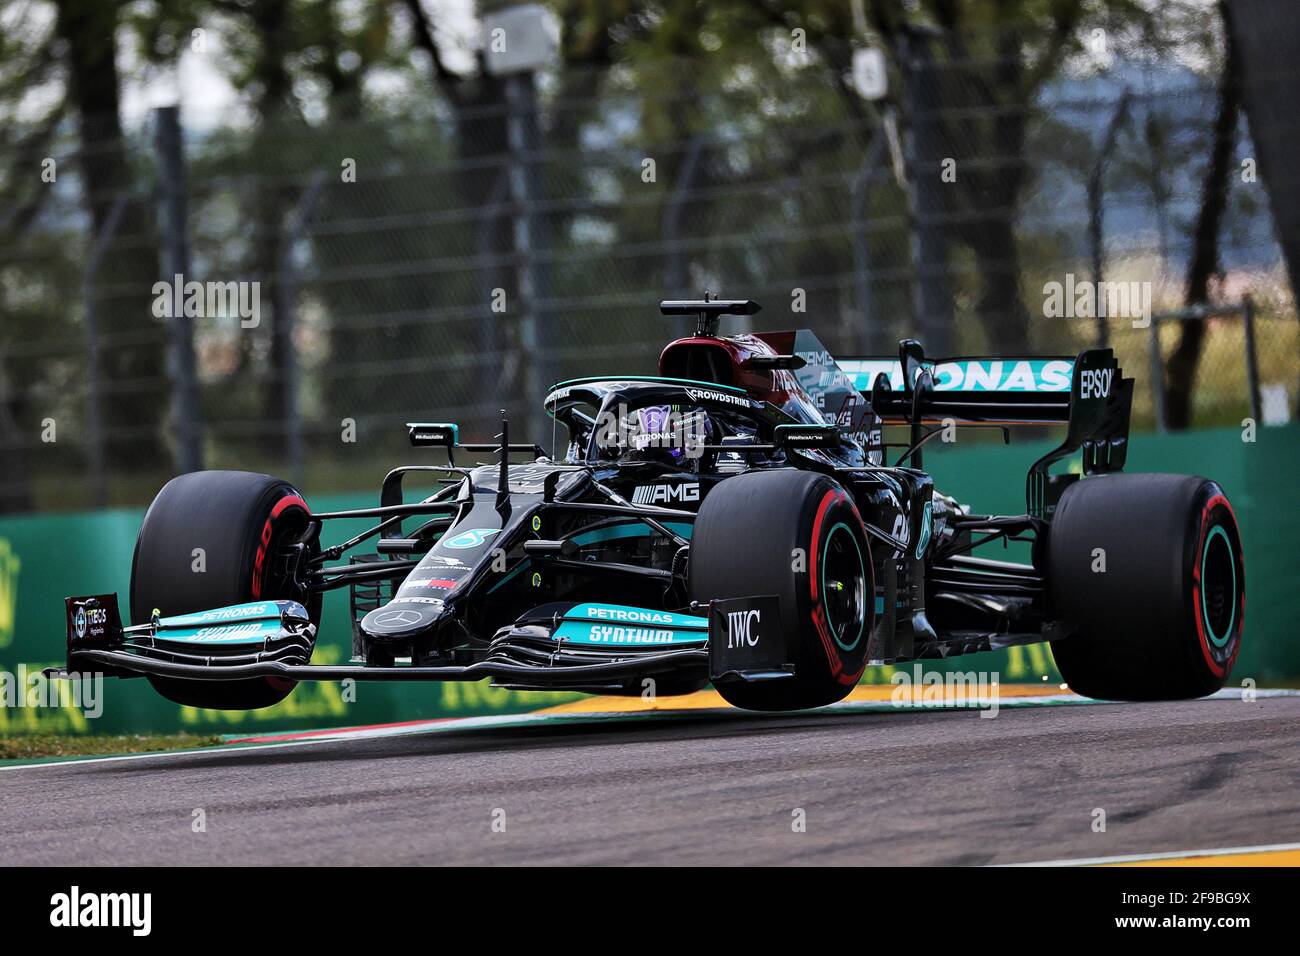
1217	669
818	607
264	540
259	562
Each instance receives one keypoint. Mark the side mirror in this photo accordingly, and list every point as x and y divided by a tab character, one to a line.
435	434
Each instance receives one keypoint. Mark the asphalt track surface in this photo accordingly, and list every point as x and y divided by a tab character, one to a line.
709	788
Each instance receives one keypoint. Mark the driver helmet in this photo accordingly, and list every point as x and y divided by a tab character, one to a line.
671	434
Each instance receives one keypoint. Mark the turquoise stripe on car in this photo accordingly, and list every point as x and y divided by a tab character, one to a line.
252	611
619	625
646	378
240	632
970	375
632	529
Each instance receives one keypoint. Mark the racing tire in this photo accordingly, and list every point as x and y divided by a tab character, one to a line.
1164	620
237	518
749	534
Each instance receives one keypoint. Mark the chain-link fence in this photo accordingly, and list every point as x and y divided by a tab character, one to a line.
446	264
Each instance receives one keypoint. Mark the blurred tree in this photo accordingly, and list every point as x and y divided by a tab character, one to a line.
479	132
591	33
299	68
28	306
133	371
396	265
996	58
1204	264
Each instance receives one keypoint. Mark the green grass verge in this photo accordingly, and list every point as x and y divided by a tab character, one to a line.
32	746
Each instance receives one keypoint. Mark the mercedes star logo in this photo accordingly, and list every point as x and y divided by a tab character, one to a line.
397	619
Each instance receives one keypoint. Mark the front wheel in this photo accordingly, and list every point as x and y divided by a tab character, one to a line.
211	539
1148	571
798	536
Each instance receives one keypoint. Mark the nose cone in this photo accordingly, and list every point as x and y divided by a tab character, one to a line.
403	618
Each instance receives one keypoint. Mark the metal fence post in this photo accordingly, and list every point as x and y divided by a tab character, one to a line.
491	338
286	295
932	289
94	398
521	134
175	256
1157	364
675	273
1252	359
868	337
1096	212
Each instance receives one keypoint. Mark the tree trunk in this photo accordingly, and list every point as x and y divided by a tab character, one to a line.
993	194
275	199
1181	371
133	372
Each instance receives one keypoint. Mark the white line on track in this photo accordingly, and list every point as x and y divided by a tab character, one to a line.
1172	855
344	733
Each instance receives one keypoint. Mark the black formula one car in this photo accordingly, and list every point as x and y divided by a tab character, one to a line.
732	521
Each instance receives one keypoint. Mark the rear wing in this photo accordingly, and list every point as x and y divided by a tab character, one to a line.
1002	390
1088	394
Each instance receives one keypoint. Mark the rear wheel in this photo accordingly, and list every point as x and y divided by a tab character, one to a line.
210	539
798	536
1149	570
